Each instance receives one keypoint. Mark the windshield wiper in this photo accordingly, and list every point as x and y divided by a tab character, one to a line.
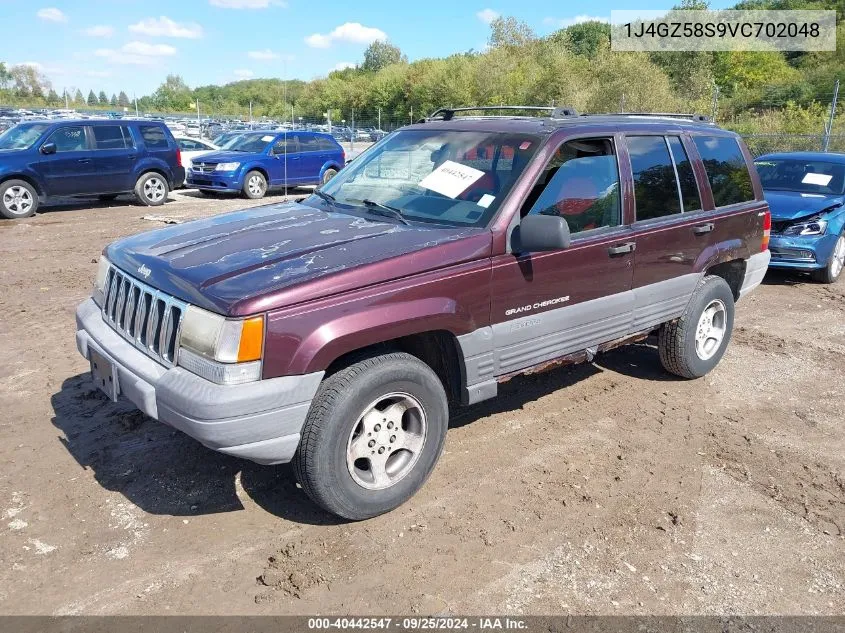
385	210
327	197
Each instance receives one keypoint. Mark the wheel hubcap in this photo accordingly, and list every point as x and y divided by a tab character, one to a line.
255	185
154	189
838	259
387	441
17	200
711	329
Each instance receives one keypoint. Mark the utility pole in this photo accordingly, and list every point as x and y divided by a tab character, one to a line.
829	127
67	105
714	110
622	104
198	112
135	97
412	114
250	114
352	137
379	118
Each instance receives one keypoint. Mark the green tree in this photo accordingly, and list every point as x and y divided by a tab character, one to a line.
92	98
53	99
509	32
173	95
5	77
103	98
122	100
113	100
586	38
78	99
380	54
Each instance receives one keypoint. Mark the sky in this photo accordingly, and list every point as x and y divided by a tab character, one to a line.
131	45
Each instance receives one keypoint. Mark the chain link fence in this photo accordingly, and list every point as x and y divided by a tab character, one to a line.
759	144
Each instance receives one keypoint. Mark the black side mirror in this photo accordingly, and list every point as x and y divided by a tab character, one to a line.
541	233
48	148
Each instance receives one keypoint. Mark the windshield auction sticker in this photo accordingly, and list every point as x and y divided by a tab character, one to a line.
451	179
728	30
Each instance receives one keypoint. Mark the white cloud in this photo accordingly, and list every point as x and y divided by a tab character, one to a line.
100	30
353	32
264	55
342	66
136	53
562	23
165	27
52	15
247	4
487	15
243	73
98	73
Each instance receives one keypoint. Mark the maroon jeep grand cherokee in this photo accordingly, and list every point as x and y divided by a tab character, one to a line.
335	332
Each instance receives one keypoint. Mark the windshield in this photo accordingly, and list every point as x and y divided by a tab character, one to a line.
457	178
802	176
253	143
22	136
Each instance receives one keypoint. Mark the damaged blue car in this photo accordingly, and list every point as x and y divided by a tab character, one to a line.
806	194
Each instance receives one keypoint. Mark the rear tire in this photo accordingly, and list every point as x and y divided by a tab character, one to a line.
152	189
694	344
328	175
255	185
392	405
18	199
830	273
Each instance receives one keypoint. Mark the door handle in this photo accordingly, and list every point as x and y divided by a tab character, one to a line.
701	229
84	160
132	157
621	249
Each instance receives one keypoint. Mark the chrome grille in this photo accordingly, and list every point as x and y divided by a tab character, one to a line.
149	319
204	168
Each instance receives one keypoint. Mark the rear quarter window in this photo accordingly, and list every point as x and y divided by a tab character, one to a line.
154	137
726	169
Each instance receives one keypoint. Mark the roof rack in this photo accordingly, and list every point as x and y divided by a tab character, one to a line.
698	118
447	114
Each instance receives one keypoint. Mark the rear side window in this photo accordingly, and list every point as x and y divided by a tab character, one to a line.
326	145
154	137
726	169
69	139
111	137
307	143
655	186
686	176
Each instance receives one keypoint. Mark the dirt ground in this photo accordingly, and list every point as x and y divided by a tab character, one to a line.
608	488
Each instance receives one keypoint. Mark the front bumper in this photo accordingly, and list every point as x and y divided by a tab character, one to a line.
802	252
215	181
259	421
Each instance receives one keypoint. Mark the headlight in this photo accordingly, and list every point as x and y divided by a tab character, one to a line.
812	226
225	351
100	281
227	166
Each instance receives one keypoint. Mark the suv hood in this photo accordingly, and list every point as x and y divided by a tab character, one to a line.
791	205
259	259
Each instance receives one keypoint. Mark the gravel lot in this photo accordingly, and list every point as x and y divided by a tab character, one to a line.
608	488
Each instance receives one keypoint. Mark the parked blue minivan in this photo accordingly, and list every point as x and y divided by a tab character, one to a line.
254	162
41	159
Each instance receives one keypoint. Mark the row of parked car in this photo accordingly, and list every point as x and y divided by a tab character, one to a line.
106	158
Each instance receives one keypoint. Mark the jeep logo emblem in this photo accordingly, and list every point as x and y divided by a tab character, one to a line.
144	271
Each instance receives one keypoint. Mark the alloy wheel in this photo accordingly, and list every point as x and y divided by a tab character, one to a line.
154	189
711	329
17	200
386	441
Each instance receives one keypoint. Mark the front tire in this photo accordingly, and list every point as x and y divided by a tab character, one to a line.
830	273
152	189
694	344
255	185
373	435
18	199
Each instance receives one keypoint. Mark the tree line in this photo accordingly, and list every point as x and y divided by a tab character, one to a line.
752	91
